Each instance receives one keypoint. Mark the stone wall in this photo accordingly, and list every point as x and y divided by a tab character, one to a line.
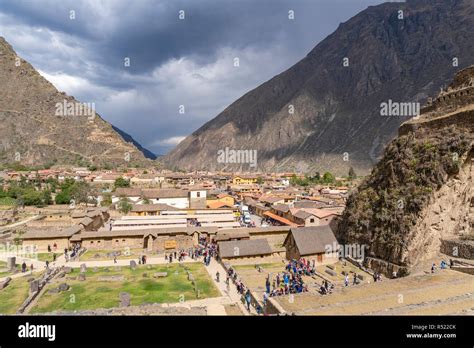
458	248
42	244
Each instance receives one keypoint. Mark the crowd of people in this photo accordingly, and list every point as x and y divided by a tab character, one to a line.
291	280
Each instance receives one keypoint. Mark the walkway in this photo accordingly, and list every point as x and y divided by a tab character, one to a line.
230	292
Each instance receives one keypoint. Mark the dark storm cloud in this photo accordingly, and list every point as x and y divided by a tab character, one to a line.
173	62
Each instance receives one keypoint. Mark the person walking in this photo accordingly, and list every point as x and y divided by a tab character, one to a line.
247	299
346	280
217	276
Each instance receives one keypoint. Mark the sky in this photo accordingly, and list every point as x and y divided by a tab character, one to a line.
160	69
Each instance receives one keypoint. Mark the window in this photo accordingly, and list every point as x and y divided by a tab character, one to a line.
311	220
198	194
92	242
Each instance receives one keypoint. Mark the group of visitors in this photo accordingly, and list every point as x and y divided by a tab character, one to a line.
377	277
301	267
326	288
193	222
291	280
241	288
24	267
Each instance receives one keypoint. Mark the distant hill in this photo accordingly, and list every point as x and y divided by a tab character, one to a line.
129	139
403	56
37	131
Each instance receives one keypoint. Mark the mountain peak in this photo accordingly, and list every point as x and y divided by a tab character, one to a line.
41	125
324	112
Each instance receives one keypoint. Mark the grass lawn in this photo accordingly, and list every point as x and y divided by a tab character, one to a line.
263	265
7	202
94	293
13	296
90	255
3	266
46	256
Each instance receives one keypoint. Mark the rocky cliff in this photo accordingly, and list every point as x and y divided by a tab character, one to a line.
324	112
421	192
41	126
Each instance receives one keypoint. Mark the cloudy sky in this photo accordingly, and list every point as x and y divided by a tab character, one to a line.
82	46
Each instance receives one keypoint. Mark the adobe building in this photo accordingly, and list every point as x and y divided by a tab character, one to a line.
42	238
241	252
316	244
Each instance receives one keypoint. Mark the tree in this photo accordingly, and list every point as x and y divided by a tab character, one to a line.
106	200
260	180
63	197
80	192
32	197
352	174
47	199
121	182
328	178
124	205
146	201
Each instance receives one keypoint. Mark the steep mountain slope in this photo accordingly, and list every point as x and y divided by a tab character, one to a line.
33	132
422	190
337	108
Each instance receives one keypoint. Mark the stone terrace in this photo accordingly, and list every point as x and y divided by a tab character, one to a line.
445	292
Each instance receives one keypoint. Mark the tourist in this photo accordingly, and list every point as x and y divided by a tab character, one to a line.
31	268
49	248
217	276
346	280
247	299
54	257
267	284
23	267
115	259
47	264
355	279
433	268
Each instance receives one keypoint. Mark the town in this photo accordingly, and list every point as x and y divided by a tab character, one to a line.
75	239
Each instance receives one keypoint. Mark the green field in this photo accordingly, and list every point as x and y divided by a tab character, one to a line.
14	295
3	265
46	256
93	293
7	201
262	265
